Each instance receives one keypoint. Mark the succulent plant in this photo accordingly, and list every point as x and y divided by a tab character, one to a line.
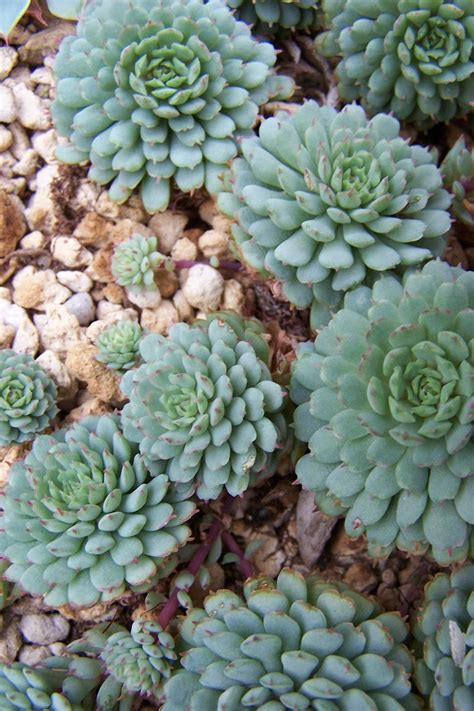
151	90
27	397
385	399
58	684
292	644
445	627
326	200
136	661
84	519
271	16
205	402
458	173
119	345
134	262
411	57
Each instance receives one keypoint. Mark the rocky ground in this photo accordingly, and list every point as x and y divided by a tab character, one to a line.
57	234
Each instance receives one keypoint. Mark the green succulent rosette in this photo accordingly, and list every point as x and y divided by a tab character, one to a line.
458	173
273	16
58	684
154	90
119	345
27	398
84	519
326	200
386	401
292	644
135	261
414	58
204	401
444	628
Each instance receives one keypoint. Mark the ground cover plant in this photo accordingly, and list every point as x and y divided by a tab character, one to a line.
237	356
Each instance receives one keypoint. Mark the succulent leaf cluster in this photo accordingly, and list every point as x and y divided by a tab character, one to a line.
385	400
84	519
326	200
271	16
154	90
58	684
292	644
134	262
412	57
204	401
119	345
458	173
445	627
27	397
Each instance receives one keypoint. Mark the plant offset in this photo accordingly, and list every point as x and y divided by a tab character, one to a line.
345	210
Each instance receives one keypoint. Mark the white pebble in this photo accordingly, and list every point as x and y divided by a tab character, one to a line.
8	59
70	252
203	287
32	111
76	281
8	110
82	306
44	629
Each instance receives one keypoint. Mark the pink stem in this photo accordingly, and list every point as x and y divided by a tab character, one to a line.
188	263
171	606
245	565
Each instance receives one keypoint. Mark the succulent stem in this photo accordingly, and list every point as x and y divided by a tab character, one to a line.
188	263
245	565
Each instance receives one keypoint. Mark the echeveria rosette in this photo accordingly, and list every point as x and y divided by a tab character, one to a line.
326	200
458	173
154	90
444	628
134	263
27	398
58	684
204	401
84	519
386	402
293	643
414	58
119	345
273	16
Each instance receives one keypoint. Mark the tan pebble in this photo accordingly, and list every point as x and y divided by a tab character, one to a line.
214	244
193	234
35	289
160	320
27	164
234	297
222	224
6	138
7	334
168	228
93	230
59	330
114	293
12	223
126	228
70	252
101	267
91	406
360	577
184	248
207	211
167	282
8	456
67	386
101	381
21	141
34	240
184	309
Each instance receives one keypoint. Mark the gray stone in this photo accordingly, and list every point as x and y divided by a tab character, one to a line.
82	307
44	629
33	654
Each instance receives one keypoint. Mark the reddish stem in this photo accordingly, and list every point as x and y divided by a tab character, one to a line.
244	564
188	263
171	606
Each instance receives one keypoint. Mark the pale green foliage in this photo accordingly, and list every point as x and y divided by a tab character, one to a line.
458	173
272	16
154	90
119	345
327	200
412	57
444	627
84	520
134	262
27	397
205	402
58	684
386	399
292	644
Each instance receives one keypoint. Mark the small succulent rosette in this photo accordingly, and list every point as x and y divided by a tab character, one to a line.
458	173
27	398
444	628
204	401
327	200
84	520
119	345
386	403
414	58
158	91
292	644
273	17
